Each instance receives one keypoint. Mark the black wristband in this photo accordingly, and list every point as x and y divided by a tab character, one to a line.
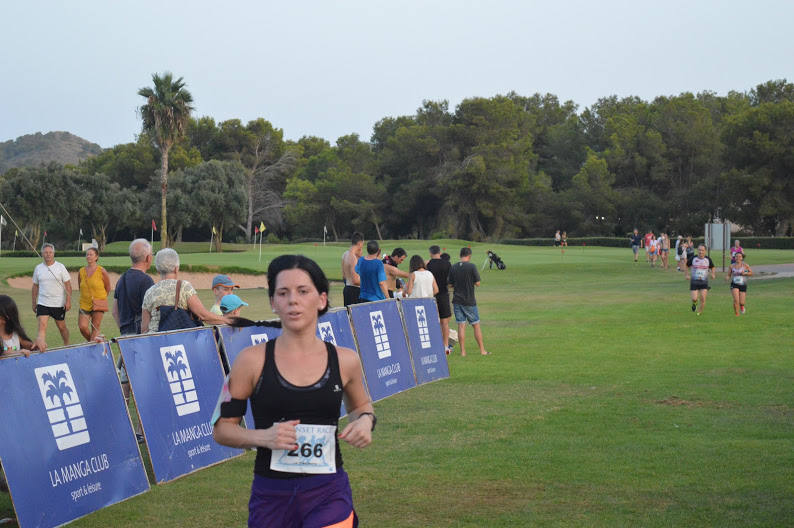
374	418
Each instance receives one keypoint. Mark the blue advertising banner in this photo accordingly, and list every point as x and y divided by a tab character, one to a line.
176	378
233	340
334	326
66	443
383	348
423	328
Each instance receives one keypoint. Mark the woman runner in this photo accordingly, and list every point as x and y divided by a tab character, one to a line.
739	270
697	269
295	384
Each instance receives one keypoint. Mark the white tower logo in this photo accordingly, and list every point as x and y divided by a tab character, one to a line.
421	321
62	402
180	379
381	337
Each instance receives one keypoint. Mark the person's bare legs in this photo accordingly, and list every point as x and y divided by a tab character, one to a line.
43	319
445	331
96	323
735	293
63	330
478	338
462	338
83	323
703	294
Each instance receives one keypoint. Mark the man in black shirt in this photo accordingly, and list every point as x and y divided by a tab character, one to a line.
464	277
130	289
440	270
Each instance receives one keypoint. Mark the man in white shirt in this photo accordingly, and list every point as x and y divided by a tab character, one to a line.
52	295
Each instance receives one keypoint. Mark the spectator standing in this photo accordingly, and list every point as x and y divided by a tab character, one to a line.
680	246
131	287
440	270
222	285
421	282
94	283
130	290
464	277
52	294
636	242
664	248
390	263
647	241
164	294
373	275
352	289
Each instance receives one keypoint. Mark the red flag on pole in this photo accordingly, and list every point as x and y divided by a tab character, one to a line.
256	229
154	226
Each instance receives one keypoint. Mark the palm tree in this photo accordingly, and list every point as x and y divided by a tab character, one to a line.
165	118
58	387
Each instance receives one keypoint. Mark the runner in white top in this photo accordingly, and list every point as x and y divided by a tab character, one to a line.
697	269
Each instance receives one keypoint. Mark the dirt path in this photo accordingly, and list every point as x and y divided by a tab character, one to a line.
200	281
773	271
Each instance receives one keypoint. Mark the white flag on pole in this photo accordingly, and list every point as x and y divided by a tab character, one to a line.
2	220
81	232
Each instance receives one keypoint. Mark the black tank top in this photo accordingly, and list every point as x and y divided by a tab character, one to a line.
276	400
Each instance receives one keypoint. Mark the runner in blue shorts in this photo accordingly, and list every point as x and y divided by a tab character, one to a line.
296	384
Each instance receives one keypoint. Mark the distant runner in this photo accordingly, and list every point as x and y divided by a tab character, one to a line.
738	277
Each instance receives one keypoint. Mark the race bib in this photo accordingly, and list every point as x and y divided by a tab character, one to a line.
316	452
700	274
738	279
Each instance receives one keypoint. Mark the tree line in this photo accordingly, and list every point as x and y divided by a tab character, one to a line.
507	166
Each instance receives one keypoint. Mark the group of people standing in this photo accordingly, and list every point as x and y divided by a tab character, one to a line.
369	278
697	267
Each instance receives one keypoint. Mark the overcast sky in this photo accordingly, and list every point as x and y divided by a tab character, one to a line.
332	68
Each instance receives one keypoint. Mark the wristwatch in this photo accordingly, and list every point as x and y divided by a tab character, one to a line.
374	418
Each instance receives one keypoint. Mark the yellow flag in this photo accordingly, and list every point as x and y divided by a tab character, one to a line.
213	230
261	226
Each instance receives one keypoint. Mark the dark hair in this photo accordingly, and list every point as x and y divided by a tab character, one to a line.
445	256
10	312
373	247
465	251
283	263
398	252
435	250
416	263
357	237
95	250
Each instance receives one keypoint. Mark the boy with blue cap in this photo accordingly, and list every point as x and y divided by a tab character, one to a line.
222	285
232	304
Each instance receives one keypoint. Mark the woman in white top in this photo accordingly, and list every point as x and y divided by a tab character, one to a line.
421	282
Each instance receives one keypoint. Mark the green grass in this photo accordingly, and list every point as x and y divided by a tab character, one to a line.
606	402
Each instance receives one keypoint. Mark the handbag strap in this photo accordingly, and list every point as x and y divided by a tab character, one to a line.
176	300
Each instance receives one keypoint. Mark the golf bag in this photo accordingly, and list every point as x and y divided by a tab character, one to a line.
495	260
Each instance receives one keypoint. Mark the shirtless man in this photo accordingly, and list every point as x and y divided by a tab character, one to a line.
352	281
390	263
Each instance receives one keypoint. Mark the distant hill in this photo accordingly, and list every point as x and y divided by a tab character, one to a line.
34	149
